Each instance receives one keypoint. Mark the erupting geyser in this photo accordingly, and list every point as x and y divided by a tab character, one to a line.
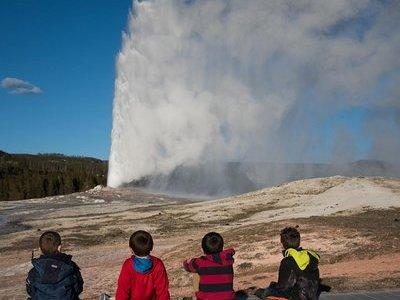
200	83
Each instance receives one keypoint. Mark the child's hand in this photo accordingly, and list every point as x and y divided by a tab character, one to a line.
273	284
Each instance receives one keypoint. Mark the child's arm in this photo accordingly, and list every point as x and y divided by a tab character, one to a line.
190	265
29	283
79	281
124	287
286	278
162	283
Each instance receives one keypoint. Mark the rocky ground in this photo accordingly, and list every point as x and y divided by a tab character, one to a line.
353	222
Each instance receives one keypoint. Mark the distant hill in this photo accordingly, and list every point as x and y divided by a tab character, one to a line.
232	178
25	176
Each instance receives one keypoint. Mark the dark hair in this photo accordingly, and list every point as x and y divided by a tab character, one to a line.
212	243
290	238
141	243
49	242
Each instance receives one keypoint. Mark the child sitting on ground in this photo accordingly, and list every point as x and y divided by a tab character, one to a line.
54	275
298	272
215	269
143	276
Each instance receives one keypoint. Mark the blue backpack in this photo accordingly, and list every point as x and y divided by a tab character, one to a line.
54	278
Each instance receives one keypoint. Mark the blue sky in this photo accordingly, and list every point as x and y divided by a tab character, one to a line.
65	51
67	48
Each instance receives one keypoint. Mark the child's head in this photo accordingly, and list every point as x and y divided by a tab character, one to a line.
290	238
212	243
50	242
141	243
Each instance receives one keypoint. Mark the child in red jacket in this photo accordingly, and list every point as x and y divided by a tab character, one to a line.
215	269
143	276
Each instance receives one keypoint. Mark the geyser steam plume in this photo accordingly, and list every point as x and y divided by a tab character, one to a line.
204	82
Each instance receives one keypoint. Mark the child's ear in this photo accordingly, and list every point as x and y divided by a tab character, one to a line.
59	248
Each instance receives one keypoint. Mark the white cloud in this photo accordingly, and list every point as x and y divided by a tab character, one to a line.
18	86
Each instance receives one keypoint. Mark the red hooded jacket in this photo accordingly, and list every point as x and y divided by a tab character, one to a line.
216	275
151	285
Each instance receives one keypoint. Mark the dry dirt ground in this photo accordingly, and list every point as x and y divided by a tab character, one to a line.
354	223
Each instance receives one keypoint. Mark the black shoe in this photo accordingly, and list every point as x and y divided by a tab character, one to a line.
241	295
260	293
324	288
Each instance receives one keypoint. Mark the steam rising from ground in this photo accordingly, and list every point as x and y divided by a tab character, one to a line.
200	82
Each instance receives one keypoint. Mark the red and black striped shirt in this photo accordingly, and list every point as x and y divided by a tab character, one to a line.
216	275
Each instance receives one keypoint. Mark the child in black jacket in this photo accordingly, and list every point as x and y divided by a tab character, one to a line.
54	275
298	272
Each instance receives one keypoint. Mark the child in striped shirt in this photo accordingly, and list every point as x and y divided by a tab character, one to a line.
215	269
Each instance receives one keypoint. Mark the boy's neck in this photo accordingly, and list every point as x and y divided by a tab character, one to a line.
216	253
286	247
297	249
51	254
147	256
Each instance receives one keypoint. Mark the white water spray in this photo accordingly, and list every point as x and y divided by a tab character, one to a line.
200	82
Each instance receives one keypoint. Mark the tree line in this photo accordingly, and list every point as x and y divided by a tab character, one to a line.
25	176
